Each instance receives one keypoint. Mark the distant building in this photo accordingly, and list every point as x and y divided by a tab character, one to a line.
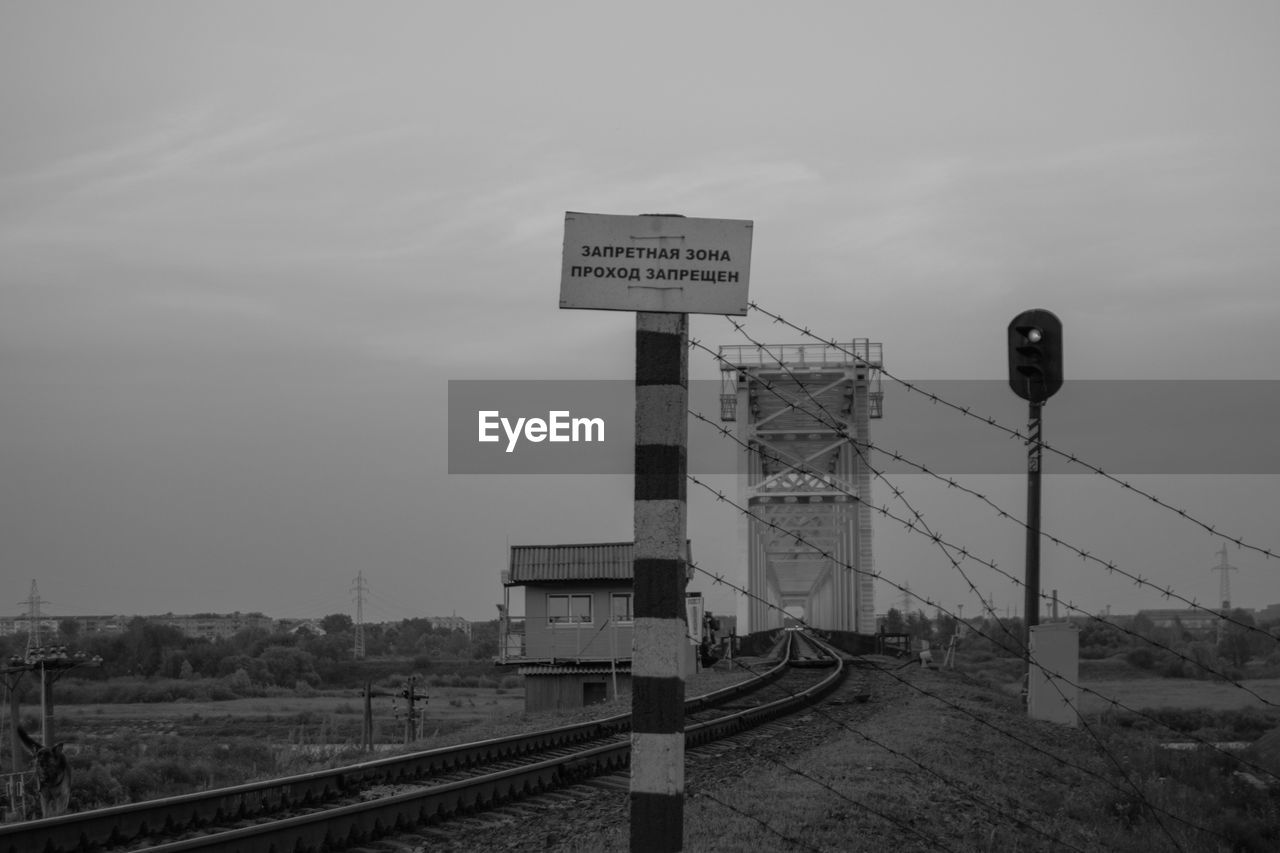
213	626
22	624
51	625
1268	614
450	623
1190	618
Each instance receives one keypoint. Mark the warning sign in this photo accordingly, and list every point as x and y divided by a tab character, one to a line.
674	264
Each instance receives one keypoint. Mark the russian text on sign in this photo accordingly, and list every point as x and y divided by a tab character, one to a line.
687	254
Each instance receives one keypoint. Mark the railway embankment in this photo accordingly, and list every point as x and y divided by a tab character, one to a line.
908	759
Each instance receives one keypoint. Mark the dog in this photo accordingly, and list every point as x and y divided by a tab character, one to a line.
53	775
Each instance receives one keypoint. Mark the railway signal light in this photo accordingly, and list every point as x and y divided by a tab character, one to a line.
1035	375
1035	355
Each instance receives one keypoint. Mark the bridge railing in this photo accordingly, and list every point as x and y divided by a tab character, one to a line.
856	352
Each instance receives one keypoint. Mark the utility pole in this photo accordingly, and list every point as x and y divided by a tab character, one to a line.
366	730
1224	586
359	587
34	619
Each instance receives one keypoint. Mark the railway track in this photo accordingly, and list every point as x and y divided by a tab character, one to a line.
350	805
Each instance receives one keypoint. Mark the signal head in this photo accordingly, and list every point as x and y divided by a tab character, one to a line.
1035	355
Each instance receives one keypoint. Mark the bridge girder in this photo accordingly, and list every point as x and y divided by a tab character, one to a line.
801	412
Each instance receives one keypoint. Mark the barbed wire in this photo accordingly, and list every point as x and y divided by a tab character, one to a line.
950	783
983	721
833	422
1133	789
1016	433
1112	568
1167	592
719	578
757	819
1114	703
919	518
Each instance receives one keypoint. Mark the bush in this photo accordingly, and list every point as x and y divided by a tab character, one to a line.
1142	658
238	682
96	788
1173	668
139	782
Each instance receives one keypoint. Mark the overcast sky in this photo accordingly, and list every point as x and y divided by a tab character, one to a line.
244	247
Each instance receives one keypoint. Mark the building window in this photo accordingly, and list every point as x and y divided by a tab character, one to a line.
620	607
568	609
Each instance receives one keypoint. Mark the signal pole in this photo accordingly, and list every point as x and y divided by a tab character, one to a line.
1035	375
1031	601
412	696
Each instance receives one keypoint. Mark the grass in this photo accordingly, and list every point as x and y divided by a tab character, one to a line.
1181	693
123	752
984	791
971	774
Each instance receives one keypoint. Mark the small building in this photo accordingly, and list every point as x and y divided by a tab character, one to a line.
573	645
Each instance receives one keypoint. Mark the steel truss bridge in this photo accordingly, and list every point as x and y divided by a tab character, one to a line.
799	410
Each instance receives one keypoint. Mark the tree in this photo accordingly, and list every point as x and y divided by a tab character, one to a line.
337	623
484	639
893	623
287	665
141	649
919	626
69	630
1142	625
1239	643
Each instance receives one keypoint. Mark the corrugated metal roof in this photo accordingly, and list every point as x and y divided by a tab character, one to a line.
548	563
624	668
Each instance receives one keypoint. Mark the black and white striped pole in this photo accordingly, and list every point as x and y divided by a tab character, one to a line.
663	267
657	700
1035	375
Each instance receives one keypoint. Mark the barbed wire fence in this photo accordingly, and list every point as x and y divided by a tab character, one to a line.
956	554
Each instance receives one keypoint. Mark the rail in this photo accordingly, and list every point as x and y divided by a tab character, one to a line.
121	824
